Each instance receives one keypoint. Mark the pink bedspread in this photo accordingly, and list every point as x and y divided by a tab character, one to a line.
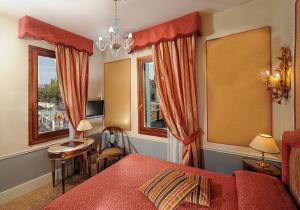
116	188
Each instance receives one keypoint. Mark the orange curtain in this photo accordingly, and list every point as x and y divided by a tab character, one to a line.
176	82
73	73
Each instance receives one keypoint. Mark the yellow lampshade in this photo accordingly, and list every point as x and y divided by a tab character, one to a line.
84	125
264	143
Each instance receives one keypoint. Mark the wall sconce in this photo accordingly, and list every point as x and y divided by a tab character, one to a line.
279	82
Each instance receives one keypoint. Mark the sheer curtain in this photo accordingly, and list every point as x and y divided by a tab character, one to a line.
175	72
174	151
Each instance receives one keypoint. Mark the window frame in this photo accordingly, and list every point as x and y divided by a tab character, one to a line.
142	129
33	128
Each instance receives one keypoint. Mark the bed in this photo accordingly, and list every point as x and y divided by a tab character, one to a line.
117	187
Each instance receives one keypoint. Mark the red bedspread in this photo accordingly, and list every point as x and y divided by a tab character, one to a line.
261	192
117	188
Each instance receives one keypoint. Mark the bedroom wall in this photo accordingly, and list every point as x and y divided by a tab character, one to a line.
14	87
255	14
27	163
18	161
133	134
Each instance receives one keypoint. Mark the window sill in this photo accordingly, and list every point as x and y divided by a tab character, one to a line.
147	137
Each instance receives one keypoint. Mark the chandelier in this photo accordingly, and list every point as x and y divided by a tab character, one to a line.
115	39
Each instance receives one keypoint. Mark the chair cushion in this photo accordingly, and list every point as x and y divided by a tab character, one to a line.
202	194
112	152
168	189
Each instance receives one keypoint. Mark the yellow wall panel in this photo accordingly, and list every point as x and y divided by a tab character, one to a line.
239	106
117	96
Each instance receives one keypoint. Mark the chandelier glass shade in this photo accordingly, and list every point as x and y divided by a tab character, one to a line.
115	39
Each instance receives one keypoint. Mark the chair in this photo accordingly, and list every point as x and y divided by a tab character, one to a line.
112	149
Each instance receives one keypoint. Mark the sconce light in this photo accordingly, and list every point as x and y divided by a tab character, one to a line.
280	81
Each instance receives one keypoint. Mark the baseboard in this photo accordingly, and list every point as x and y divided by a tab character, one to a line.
30	186
24	188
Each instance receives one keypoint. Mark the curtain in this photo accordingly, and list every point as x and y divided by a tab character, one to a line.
176	83
33	28
73	73
174	149
170	30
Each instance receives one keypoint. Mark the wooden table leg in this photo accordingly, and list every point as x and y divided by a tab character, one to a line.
89	161
63	175
104	164
53	172
97	163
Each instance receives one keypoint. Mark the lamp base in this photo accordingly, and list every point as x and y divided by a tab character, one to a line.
264	164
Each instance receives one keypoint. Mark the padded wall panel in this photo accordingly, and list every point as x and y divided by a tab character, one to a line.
117	96
239	106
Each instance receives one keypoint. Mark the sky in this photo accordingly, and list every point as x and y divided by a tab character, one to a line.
47	69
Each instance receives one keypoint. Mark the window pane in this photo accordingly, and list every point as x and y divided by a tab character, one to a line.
153	115
51	113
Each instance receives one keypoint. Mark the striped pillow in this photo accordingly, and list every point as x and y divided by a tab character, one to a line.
201	195
168	189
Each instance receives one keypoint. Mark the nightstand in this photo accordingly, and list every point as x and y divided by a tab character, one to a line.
253	165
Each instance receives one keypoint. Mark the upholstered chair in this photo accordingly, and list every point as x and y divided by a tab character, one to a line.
113	138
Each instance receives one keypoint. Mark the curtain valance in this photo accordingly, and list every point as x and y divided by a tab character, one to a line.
33	28
182	26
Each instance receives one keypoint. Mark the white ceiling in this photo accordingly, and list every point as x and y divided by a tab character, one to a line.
92	17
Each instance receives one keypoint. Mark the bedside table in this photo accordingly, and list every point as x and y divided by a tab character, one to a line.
253	165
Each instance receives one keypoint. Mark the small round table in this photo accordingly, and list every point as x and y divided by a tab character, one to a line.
70	149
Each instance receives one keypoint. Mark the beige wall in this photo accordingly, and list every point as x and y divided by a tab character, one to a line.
258	13
252	15
14	87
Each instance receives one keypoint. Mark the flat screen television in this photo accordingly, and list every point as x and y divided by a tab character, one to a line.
95	108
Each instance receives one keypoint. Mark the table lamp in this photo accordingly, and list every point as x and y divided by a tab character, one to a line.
84	126
265	144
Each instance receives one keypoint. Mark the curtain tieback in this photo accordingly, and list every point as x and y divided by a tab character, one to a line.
189	139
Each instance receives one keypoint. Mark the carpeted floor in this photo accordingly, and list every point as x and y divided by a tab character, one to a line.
40	197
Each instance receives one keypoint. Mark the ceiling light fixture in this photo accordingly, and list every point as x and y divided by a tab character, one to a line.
115	39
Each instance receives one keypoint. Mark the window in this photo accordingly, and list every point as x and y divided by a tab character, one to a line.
47	119
151	120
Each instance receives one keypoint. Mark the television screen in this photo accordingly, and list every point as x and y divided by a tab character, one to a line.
95	108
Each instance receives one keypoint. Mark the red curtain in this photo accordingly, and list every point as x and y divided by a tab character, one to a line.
73	74
31	27
176	82
182	26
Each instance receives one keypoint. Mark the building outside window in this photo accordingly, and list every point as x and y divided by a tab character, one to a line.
51	111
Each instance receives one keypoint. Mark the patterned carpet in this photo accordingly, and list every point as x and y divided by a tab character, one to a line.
39	198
